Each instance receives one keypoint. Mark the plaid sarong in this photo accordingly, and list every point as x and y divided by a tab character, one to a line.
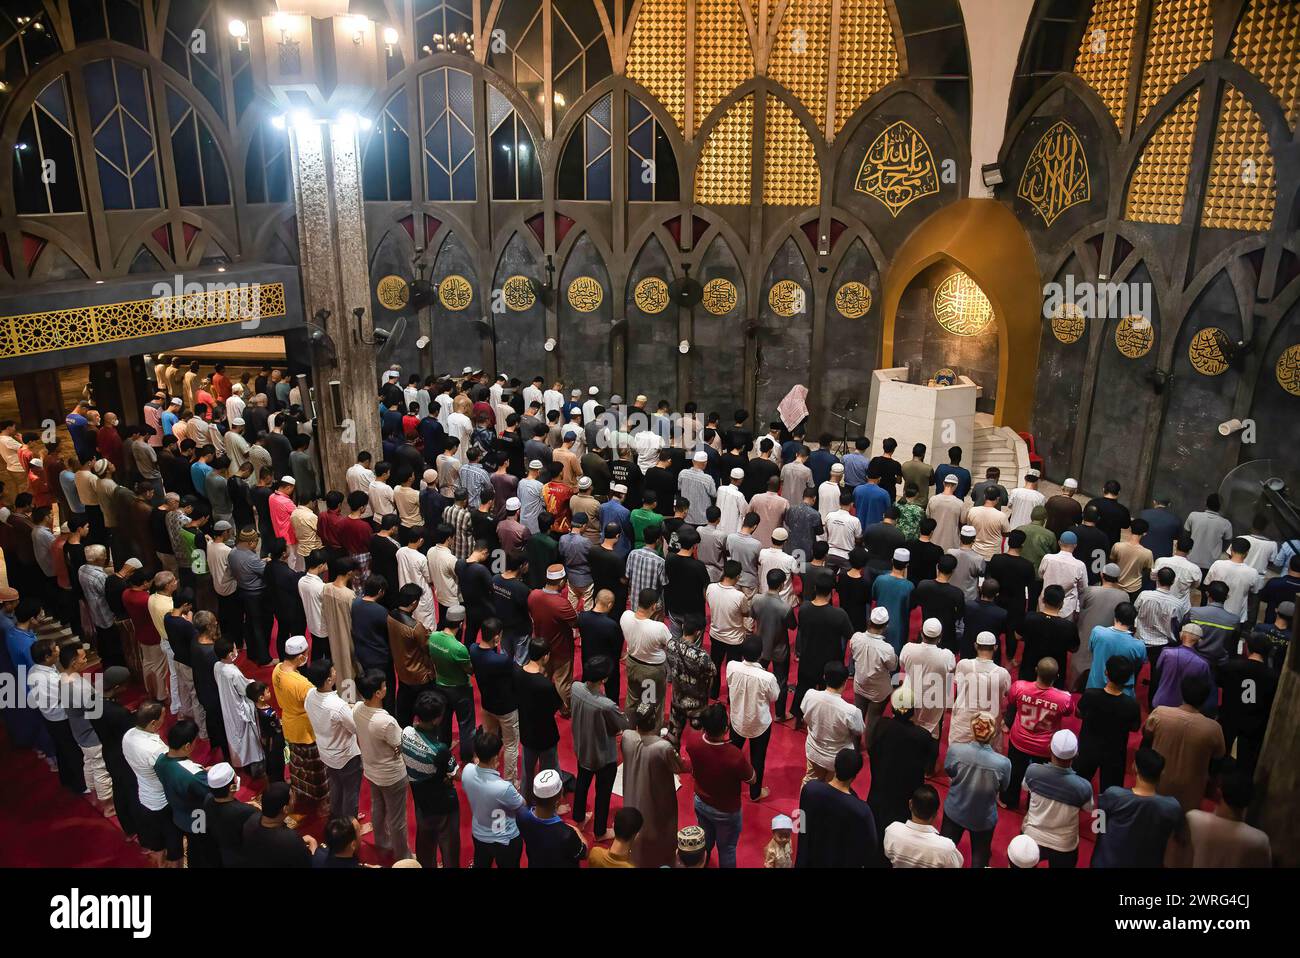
307	772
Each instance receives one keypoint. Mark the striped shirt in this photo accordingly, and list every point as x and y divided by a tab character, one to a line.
645	570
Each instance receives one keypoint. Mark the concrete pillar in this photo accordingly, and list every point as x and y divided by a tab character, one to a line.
326	162
1277	776
994	33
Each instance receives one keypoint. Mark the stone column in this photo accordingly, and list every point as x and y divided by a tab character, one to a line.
1277	776
326	163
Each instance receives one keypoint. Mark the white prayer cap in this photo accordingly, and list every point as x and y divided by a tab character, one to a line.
779	534
968	532
584	482
133	563
950	480
222	526
932	628
466	371
837	467
903	700
185	520
737	473
535	464
902	555
237	388
594	391
37	463
430	477
296	645
236	421
513	504
547	783
1023	852
782	823
1065	744
880	615
1071	483
618	488
987	639
641	398
700	456
391	374
575	393
176	401
615	399
288	481
555	572
220	775
172	497
5	514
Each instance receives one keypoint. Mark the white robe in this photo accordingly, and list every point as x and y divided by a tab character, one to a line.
239	716
413	567
733	505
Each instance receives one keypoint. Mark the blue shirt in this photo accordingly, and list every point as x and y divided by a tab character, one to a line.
68	483
1107	641
76	423
963	478
820	463
19	642
978	774
870	501
493	802
169	419
615	511
199	476
855	469
1138	828
896	596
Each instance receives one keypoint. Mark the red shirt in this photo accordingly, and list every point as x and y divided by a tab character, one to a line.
553	619
354	537
136	602
719	769
556	496
109	444
221	386
1038	716
327	527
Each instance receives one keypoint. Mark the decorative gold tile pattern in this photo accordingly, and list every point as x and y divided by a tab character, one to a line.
1267	43
791	176
1155	193
868	58
799	57
53	330
1242	186
723	172
657	59
1180	40
1104	51
1205	354
723	58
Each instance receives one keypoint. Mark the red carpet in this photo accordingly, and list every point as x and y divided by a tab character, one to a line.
44	825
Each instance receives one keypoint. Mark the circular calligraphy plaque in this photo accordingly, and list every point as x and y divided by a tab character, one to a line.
455	292
853	300
719	296
1205	354
786	297
585	294
651	295
961	307
518	293
1288	370
392	292
1068	323
1134	336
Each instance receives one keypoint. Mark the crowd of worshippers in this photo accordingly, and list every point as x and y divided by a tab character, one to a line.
424	621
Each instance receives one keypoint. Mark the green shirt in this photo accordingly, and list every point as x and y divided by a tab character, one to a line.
450	659
641	520
1039	541
184	789
909	519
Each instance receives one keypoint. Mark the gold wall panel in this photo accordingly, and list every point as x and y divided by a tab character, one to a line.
1104	52
961	307
791	176
898	168
1204	353
651	295
799	57
868	58
31	333
657	59
1242	188
1181	38
723	58
1134	336
720	296
455	292
723	172
1288	370
1267	43
853	300
1155	193
1056	174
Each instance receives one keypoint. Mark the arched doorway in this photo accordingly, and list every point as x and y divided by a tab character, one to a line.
982	239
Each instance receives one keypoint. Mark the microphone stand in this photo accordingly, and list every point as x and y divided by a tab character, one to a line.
844	438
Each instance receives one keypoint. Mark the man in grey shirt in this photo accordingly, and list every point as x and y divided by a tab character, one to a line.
970	565
1210	534
804	523
712	548
744	548
145	459
698	488
217	489
597	722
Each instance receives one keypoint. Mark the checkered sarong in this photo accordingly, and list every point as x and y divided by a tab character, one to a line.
307	772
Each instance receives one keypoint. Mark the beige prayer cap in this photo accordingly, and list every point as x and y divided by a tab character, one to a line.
983	726
407	863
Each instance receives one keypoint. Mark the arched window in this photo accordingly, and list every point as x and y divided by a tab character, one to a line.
517	49
580	56
436	20
447	134
515	173
46	174
119	20
201	171
386	173
26	41
121	122
585	163
190	48
266	172
651	166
